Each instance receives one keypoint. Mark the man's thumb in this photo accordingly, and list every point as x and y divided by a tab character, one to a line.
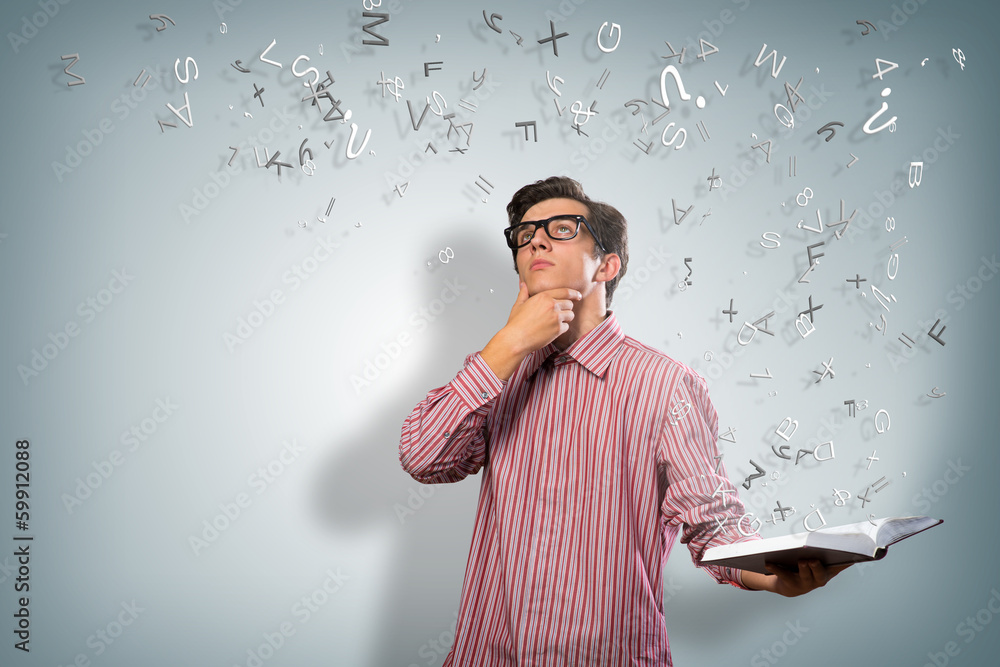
522	293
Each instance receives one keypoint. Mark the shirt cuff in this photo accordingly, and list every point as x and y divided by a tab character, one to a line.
477	384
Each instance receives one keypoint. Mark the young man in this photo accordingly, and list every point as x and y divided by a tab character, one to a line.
596	451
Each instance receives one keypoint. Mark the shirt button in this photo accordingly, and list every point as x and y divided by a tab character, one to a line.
447	433
485	395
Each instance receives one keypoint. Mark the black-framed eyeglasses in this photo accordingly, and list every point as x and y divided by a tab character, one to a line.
559	228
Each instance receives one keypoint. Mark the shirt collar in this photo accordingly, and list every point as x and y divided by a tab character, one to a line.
594	351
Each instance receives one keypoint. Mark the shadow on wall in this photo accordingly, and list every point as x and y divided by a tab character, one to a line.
362	486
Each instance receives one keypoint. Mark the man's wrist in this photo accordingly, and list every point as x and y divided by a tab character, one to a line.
756	581
502	355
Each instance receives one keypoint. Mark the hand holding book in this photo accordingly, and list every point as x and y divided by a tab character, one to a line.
832	549
810	575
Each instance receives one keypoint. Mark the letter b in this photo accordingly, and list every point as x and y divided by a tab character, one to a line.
939	659
26	27
221	178
74	156
104	468
275	643
243	329
714	26
230	510
787	427
209	533
265	307
199	201
725	360
95	137
37	357
804	325
415	501
50	7
885	197
82	491
60	339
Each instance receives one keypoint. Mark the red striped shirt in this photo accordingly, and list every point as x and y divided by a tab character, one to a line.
593	460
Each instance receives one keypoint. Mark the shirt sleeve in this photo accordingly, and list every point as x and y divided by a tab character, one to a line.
705	501
444	438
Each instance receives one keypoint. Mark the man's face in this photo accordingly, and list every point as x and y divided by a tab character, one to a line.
545	264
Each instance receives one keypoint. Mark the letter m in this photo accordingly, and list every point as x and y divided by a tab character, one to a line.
773	55
382	18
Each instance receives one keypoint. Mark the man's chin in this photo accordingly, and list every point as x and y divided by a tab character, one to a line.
536	286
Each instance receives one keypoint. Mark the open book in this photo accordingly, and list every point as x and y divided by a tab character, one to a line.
851	543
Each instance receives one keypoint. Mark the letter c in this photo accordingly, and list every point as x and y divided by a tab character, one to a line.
318	251
892	266
281	456
990	605
444	296
789	120
739	525
122	620
614	26
788	641
988	276
878	427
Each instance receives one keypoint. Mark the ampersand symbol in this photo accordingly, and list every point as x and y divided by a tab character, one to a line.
840	499
578	109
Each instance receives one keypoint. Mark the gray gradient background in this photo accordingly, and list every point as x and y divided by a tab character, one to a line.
338	505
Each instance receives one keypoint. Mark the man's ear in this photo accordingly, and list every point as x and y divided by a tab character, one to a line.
611	264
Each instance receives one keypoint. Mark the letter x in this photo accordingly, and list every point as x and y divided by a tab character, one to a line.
553	38
810	309
826	369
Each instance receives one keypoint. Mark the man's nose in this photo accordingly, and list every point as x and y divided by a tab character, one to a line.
541	238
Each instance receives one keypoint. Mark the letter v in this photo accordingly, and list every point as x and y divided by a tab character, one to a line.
417	123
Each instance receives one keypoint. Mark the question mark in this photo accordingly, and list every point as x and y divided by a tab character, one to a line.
685	96
686	260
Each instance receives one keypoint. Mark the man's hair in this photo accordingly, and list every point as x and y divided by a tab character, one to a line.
608	223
